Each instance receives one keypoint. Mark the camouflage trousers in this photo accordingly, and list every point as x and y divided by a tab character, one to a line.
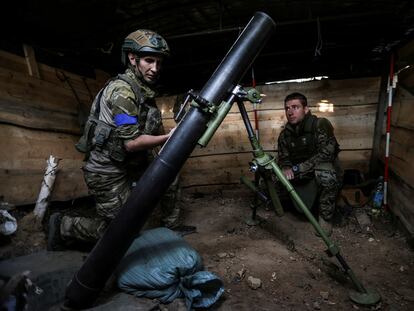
327	183
110	192
328	186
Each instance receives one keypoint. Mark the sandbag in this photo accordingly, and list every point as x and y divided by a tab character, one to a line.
161	264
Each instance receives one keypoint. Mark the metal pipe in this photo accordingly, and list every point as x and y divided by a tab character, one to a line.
252	187
108	252
247	124
215	122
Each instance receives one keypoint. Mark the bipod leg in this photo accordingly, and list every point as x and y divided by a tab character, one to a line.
260	160
362	295
257	185
277	206
253	220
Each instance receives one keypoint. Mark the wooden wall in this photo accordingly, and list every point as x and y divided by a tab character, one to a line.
39	116
401	152
226	157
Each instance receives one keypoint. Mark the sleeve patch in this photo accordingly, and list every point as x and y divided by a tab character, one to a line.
125	119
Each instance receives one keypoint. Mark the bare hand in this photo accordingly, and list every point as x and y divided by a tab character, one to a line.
288	173
171	131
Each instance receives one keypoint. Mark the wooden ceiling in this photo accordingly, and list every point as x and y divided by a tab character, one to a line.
339	39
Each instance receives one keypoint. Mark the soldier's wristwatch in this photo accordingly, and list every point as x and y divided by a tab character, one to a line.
295	169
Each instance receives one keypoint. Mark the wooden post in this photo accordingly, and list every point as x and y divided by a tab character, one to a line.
31	61
46	189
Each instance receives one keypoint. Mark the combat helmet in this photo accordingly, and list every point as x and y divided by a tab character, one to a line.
144	41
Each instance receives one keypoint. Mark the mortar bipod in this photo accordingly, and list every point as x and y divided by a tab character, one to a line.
265	161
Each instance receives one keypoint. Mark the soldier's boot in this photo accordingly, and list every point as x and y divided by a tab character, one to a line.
181	230
54	238
326	226
184	230
171	220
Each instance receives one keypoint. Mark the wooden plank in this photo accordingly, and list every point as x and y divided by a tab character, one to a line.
401	154
31	62
44	104
12	62
86	88
23	155
41	94
402	110
20	183
227	168
339	92
52	74
349	92
401	189
406	79
401	202
355	159
25	115
353	129
48	105
19	143
227	154
216	169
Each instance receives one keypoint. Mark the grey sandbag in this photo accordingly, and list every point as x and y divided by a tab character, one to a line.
161	264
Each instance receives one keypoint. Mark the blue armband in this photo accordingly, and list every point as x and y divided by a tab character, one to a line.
125	119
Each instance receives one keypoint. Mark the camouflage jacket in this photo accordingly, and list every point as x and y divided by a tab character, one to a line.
129	117
322	149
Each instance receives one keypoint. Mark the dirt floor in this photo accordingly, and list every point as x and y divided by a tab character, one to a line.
284	254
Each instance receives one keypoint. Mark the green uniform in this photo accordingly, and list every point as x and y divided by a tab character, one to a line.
312	147
124	109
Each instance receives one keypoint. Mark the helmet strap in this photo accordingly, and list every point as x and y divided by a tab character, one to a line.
134	68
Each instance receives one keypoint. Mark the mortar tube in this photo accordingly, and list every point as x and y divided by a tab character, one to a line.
88	282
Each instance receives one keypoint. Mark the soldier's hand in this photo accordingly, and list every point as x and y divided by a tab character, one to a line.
287	171
171	131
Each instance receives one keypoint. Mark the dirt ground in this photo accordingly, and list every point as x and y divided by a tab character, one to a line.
290	261
283	252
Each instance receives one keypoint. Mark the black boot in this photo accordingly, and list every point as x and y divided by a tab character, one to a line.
183	230
54	239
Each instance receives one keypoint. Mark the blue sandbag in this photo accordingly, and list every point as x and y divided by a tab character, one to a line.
161	264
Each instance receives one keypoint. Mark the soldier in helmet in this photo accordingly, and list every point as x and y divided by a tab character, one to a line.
123	127
308	157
